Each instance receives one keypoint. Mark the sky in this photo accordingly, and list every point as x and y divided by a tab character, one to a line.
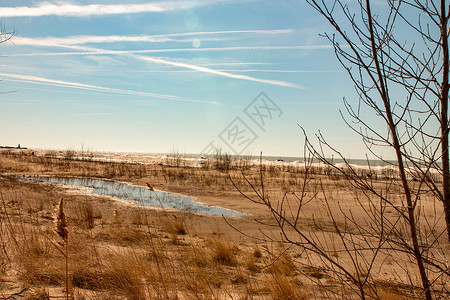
171	76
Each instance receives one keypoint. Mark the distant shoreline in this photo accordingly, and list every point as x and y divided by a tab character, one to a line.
126	156
12	147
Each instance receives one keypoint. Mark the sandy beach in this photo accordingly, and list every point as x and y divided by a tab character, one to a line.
120	250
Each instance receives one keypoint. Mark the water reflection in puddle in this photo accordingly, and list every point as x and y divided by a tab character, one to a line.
142	195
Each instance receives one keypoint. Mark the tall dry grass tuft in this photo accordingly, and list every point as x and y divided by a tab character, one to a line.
283	287
60	222
224	253
84	213
63	232
250	263
125	272
174	225
36	267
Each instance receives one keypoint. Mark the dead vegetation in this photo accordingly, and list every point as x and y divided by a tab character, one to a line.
115	251
123	252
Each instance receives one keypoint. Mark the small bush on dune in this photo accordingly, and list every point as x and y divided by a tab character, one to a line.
223	253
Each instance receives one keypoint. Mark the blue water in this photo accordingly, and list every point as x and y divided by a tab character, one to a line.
142	195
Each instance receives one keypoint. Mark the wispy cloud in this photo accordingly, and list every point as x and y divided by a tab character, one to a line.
282	71
85	39
236	64
136	54
246	71
156	51
73	10
47	81
215	72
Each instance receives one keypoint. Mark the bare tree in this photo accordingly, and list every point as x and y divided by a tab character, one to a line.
398	61
5	35
405	82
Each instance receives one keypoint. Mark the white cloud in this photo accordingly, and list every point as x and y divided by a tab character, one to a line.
246	71
236	64
282	71
215	72
92	51
47	81
135	54
84	39
78	40
176	64
73	10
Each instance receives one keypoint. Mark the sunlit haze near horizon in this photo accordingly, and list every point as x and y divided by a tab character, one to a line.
163	76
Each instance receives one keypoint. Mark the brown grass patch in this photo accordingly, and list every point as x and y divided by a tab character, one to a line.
224	253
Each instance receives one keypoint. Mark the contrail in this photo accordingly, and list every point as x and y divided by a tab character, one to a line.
72	10
215	72
96	51
183	65
47	81
83	39
246	71
135	54
152	51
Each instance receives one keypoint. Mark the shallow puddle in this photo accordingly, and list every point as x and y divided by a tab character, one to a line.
141	195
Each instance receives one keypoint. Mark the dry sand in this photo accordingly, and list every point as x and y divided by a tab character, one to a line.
324	195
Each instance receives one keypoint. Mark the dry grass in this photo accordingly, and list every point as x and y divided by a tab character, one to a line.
125	257
281	263
124	273
174	225
224	253
38	294
251	265
123	252
84	213
390	295
287	288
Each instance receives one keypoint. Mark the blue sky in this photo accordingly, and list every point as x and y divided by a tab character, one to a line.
162	76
